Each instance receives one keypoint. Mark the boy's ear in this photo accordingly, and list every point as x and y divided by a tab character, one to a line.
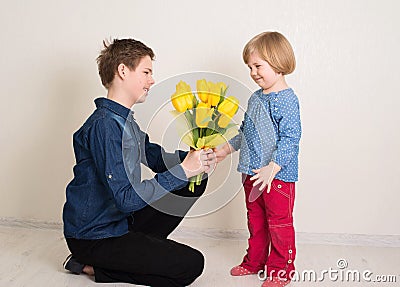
122	69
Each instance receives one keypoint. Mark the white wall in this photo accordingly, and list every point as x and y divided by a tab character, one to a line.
346	79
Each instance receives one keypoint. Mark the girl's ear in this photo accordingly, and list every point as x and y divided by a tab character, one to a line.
122	69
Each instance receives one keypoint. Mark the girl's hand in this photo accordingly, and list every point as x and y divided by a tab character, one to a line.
265	175
223	152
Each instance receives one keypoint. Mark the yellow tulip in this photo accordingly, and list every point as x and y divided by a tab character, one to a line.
183	98
214	95
203	112
224	121
190	101
179	102
228	109
202	90
183	87
229	106
221	87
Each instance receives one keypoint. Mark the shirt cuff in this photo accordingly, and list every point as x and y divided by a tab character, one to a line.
172	159
173	179
279	159
235	141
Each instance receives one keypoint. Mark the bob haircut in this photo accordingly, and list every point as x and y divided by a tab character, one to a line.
274	48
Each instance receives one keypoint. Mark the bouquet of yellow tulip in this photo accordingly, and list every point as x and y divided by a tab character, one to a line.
205	122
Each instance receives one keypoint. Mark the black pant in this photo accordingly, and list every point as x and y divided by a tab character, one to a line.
145	256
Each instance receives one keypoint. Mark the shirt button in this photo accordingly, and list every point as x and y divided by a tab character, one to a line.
290	251
279	186
110	176
289	261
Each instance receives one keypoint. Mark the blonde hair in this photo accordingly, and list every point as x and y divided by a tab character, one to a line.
274	48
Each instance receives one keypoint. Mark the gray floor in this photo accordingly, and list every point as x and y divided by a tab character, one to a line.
33	257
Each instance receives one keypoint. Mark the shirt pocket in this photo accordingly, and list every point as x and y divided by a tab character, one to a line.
130	145
130	153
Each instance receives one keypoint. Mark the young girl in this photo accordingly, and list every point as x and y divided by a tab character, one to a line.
269	146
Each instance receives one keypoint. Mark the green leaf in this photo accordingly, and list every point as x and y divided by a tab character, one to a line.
211	125
223	93
196	135
230	125
189	119
209	132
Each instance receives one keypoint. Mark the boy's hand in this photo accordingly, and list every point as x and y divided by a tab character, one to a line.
198	161
265	175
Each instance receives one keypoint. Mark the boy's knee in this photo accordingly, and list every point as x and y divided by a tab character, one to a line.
194	265
198	263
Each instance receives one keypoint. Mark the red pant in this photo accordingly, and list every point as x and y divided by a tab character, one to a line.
270	223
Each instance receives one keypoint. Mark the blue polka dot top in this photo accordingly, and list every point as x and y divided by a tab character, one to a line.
270	131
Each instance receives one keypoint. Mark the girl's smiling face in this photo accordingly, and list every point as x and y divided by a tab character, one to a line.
262	73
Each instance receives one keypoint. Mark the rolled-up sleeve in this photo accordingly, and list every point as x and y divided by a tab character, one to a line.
236	141
124	183
157	159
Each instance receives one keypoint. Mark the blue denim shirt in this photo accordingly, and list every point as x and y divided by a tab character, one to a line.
270	131
107	186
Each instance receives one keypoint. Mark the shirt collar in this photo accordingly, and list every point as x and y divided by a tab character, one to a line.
272	94
114	107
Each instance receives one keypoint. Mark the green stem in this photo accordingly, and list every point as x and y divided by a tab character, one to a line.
191	186
199	177
195	180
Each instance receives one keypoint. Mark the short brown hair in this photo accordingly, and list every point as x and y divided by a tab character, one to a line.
274	48
125	51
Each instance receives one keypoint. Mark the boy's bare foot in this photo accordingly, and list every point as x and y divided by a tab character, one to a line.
88	270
